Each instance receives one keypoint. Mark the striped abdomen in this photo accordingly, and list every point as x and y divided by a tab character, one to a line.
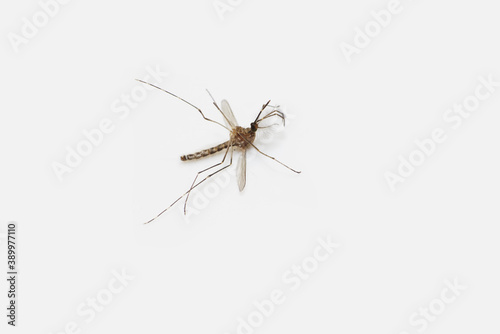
206	152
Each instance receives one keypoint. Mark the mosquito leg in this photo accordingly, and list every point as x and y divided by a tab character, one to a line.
213	100
263	107
217	106
274	113
198	174
196	185
270	157
192	105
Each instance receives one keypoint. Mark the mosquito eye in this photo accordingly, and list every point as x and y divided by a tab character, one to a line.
253	126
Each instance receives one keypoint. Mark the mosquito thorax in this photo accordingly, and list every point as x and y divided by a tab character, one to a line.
254	127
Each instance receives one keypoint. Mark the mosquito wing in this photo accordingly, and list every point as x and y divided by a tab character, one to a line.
241	170
228	114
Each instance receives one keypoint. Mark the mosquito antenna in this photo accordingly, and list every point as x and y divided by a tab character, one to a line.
180	98
263	107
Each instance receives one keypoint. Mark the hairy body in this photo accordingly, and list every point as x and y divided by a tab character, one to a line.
240	137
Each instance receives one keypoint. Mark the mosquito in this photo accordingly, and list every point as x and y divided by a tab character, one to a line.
240	139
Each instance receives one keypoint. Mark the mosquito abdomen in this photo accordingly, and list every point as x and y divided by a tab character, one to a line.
206	152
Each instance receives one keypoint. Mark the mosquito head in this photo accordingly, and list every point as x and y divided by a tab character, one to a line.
254	126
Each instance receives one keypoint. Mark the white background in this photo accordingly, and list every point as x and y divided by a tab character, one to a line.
349	123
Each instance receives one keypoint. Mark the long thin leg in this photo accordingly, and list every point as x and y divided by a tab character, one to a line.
263	107
196	185
192	105
274	113
270	157
217	106
198	174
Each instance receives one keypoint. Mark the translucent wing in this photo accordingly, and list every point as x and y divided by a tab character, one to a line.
228	114
241	170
